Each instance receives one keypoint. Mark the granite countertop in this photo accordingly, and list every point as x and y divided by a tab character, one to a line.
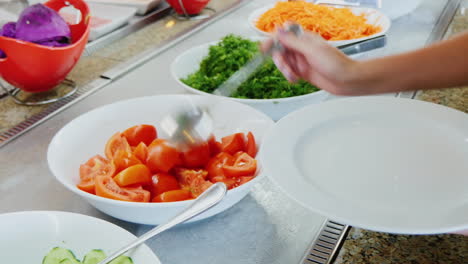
362	246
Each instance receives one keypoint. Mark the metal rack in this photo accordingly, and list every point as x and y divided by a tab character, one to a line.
327	244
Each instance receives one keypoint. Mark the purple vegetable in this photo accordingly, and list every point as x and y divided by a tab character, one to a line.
8	30
53	43
39	23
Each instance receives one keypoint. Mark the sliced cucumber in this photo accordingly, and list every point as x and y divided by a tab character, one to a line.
58	254
94	256
122	260
67	261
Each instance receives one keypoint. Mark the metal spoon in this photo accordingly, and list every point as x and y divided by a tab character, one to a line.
206	200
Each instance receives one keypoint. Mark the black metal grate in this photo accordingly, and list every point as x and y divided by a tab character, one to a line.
327	244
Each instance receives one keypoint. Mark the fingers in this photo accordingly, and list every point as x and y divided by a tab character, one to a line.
284	67
301	44
461	232
266	44
283	61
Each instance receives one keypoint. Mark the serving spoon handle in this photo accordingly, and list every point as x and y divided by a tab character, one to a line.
206	200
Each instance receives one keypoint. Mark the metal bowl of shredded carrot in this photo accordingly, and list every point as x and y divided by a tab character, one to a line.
338	25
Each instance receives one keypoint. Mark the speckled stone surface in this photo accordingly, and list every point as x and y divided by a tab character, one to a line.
362	246
454	97
91	67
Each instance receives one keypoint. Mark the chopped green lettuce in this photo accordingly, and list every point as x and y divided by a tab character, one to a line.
227	57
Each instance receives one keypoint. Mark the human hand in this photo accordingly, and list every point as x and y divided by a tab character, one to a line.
461	232
311	58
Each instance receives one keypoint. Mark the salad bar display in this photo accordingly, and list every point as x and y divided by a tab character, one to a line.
106	152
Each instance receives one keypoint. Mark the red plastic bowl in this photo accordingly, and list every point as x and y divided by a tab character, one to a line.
193	7
37	68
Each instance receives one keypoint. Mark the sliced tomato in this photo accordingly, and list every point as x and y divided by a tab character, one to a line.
136	174
244	165
193	180
108	188
163	182
236	155
215	146
162	157
230	182
140	133
124	159
251	146
233	143
244	179
87	186
186	176
215	164
173	196
115	143
96	165
196	156
141	151
135	186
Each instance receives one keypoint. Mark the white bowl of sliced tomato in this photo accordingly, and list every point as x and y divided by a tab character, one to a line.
118	159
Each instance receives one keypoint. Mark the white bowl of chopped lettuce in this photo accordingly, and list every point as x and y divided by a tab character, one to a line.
201	69
53	237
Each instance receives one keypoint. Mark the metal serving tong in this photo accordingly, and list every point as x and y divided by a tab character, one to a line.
188	124
230	85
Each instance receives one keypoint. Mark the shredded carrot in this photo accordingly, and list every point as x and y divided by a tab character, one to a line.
330	22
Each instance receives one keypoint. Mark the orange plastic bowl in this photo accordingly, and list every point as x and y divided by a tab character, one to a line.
36	68
192	7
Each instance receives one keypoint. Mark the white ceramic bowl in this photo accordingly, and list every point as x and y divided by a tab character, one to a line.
28	236
189	62
373	16
86	136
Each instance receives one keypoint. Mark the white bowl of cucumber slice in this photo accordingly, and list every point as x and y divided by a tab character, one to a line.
65	238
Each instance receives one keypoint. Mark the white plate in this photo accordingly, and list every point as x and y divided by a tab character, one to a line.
86	136
384	164
28	236
374	17
189	62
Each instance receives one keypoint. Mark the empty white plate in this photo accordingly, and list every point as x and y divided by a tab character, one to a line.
384	164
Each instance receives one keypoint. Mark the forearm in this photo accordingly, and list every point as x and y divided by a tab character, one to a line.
441	65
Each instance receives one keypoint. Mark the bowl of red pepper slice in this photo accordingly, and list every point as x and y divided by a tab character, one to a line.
118	159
